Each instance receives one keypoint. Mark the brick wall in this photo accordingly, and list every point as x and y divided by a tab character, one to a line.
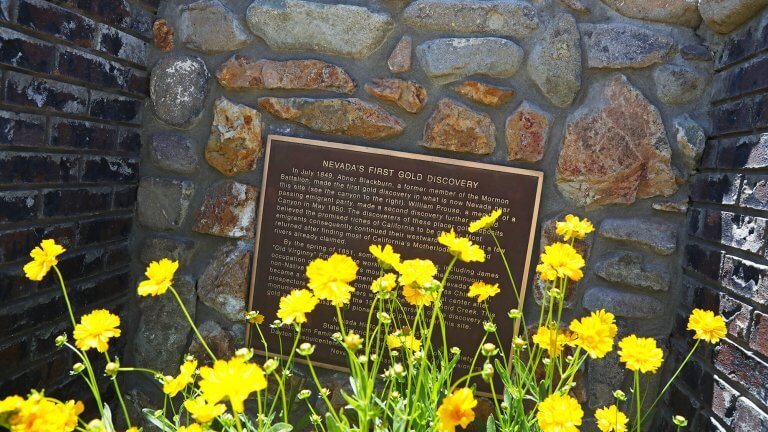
72	86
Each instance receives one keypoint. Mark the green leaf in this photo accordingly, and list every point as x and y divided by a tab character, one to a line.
490	425
281	427
162	423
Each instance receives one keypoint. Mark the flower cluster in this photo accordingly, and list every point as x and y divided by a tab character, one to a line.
38	413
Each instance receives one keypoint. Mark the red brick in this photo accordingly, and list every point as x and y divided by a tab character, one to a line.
105	229
110	169
745	278
122	45
703	260
116	108
758	340
130	140
743	152
737	316
82	135
56	21
17	206
19	167
125	197
22	51
45	94
16	244
740	366
68	202
97	71
748	417
723	401
22	129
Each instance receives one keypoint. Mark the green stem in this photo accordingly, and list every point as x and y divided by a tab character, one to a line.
66	297
191	323
674	376
638	401
119	394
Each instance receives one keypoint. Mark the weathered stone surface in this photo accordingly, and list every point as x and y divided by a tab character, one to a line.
221	341
228	210
691	140
162	35
501	18
161	337
173	152
455	127
678	84
224	282
408	95
451	59
658	236
622	304
576	5
696	52
628	268
555	62
157	248
351	116
178	88
235	143
344	30
604	376
484	93
680	12
208	26
527	130
243	72
615	149
400	59
671	206
724	16
163	203
623	46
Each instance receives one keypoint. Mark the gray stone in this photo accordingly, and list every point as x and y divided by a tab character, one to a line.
691	140
671	206
627	268
724	16
604	376
163	203
678	84
157	248
555	62
658	236
228	210
344	30
622	304
500	18
680	12
400	59
696	52
623	46
173	152
223	342
161	337
178	88
451	59
208	26
224	282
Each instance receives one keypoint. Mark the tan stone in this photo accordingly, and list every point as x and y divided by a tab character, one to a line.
484	93
408	95
235	142
400	59
576	5
344	116
671	206
526	133
681	12
162	34
228	210
615	149
243	72
455	127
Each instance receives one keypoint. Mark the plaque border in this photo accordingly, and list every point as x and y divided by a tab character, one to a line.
439	159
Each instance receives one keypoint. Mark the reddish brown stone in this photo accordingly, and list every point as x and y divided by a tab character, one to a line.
484	93
163	35
400	59
235	142
228	210
243	72
408	95
455	127
526	132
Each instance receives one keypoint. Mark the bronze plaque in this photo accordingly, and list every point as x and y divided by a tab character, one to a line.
318	198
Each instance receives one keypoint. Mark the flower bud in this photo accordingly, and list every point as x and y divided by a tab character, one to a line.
315	419
111	369
680	421
455	350
353	341
514	314
395	394
61	340
384	317
487	372
276	324
620	395
337	337
189	358
490	349
363	359
244	353
77	368
96	425
373	357
304	394
519	342
270	365
306	349
325	391
489	327
254	317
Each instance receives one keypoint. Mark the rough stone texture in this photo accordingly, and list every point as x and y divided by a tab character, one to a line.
162	35
163	203
627	268
173	152
451	59
400	59
484	93
408	95
527	130
604	376
555	62
656	235
501	18
235	142
351	116
178	89
680	12
455	127
208	26
671	206
615	149
623	46
157	248
691	140
696	52
224	282
161	337
577	6
344	30
221	341
243	72
622	304
228	210
724	16
678	84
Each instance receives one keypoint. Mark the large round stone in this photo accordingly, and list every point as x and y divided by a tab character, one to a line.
555	62
178	89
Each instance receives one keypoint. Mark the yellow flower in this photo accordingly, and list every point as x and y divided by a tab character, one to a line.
160	274
417	296
353	341
416	271
574	228
202	411
485	222
595	333
482	291
559	413
640	354
610	419
461	247
43	258
42	414
560	260
551	340
385	283
233	380
385	255
173	386
295	306
194	427
456	409
396	340
254	317
132	429
329	279
708	326
95	330
11	403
